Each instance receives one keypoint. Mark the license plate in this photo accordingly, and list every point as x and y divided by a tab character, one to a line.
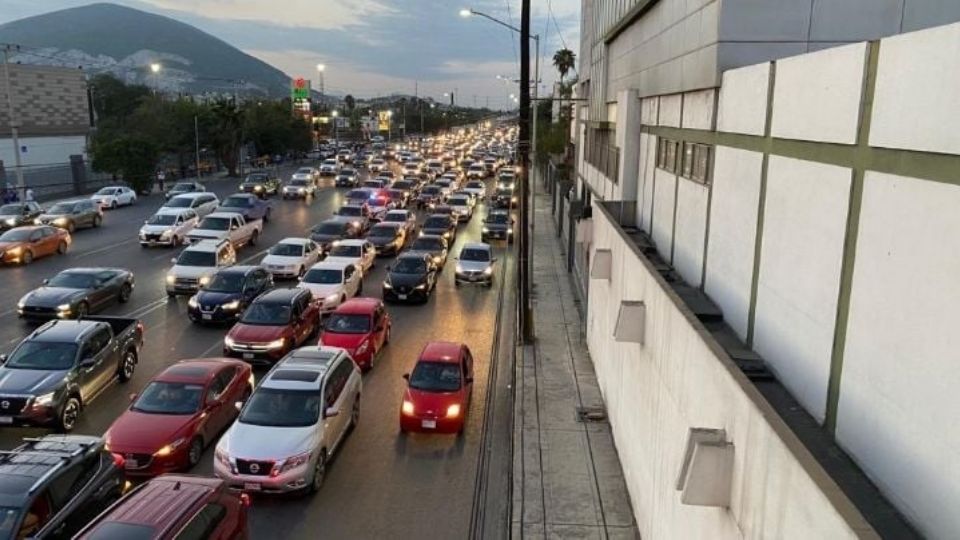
429	424
248	356
131	464
251	486
6	419
402	296
206	316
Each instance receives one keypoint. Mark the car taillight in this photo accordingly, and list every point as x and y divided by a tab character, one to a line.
118	461
245	500
140	327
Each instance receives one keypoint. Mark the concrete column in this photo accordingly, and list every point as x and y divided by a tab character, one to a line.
628	140
78	171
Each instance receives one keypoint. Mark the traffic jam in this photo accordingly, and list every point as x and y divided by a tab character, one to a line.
303	321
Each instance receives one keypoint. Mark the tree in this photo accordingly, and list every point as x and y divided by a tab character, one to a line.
564	60
130	157
349	101
225	136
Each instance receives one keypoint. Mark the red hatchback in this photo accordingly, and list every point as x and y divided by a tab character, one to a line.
361	326
275	323
438	391
174	506
179	412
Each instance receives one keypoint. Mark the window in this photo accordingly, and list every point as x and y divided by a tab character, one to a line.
99	341
203	524
600	152
71	482
702	155
686	163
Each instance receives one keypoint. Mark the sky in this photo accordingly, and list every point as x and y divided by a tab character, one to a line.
374	47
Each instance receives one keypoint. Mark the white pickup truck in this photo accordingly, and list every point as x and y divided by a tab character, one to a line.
228	226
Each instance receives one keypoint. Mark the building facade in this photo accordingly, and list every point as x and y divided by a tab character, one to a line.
766	264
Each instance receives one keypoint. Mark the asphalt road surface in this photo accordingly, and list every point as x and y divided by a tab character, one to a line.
380	484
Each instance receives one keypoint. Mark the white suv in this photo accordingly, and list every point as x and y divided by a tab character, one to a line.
292	424
168	227
197	264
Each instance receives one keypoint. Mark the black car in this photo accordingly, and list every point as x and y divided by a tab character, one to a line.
410	186
387	238
498	224
358	196
19	214
503	198
332	230
433	245
50	487
411	279
398	197
347	177
72	215
228	294
184	187
77	292
444	225
430	196
261	184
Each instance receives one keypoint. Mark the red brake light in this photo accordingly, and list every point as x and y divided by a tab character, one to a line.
118	461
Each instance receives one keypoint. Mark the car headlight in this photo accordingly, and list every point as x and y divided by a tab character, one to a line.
331	297
37	222
387	285
45	399
437	259
277	344
166	234
446	234
171	279
292	463
355	223
363	347
302	190
204	281
258	188
486	229
421	286
11	221
58	221
168	449
488	270
192	302
407	408
222	456
228	342
230	306
509	231
459	269
63	307
453	411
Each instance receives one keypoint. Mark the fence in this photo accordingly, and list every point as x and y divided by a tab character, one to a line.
56	181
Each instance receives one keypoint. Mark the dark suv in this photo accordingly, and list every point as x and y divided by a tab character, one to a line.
228	294
50	487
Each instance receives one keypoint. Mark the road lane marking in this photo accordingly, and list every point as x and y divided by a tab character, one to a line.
215	346
252	257
105	248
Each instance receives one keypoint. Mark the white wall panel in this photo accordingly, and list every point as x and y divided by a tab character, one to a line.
42	151
743	100
664	199
698	108
805	217
898	394
691	231
817	95
670	110
733	232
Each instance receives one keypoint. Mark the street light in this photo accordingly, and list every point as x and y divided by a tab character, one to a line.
155	70
320	69
466	13
155	67
336	127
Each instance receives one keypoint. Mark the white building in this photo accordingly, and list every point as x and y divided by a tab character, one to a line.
792	218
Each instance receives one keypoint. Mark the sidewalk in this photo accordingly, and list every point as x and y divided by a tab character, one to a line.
568	482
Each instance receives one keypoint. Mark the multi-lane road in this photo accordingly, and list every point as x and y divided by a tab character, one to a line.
381	483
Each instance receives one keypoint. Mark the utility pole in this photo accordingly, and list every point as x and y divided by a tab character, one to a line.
525	314
12	123
196	139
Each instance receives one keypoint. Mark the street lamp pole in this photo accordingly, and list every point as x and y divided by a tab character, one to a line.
336	126
13	124
320	69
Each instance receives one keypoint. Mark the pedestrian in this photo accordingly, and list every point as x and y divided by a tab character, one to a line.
28	195
161	176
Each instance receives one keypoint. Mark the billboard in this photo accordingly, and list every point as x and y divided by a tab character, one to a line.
300	89
384	120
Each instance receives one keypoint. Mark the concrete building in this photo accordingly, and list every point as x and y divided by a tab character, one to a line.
763	208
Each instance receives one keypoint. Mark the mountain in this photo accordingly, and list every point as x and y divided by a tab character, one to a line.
125	41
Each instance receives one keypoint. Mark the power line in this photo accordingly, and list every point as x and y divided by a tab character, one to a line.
557	26
512	42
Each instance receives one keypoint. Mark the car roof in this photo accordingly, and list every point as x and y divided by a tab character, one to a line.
350	242
225	215
244	270
207	245
441	351
242	195
294	240
287	373
91	270
27	466
413	255
192	195
476	245
199	370
331	265
162	502
359	305
168	211
62	330
280	295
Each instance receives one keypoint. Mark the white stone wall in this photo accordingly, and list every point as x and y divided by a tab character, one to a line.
691	230
42	151
743	100
664	199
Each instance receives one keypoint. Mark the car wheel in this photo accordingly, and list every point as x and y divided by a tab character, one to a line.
83	310
113	205
301	272
360	288
69	414
71	228
254	238
355	411
127	365
125	293
97	221
319	472
27	257
195	453
266	216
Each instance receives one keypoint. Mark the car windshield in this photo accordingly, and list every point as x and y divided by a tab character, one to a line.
476	167
298	182
504	192
498	218
395	217
304	170
347	172
475	255
179	202
267	314
348	324
351	211
107	191
282	408
323	276
403	184
16	235
9	516
182	187
458	202
329	228
197	258
431	190
410	265
237	202
255	179
437	222
73	280
475	185
226	283
43	355
287	250
435	377
11	210
61	208
162	219
215	224
359	194
382	232
168	398
427	244
345	251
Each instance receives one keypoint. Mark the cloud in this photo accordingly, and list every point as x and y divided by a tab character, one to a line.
328	14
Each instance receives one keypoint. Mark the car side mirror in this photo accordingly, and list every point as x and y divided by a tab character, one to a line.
238	405
173	260
469	380
87	363
46	282
331	412
132	396
406	377
3	359
234	227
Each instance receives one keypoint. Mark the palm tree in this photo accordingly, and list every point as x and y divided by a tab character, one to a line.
564	60
349	102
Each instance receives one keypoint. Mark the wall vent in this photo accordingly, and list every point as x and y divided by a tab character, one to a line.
706	475
631	322
602	265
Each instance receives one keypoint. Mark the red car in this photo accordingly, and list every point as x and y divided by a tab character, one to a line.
179	412
361	326
437	397
174	506
274	324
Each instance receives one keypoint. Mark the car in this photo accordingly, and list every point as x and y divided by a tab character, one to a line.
23	245
19	214
412	278
249	206
387	238
201	203
475	265
438	392
293	423
432	245
497	224
298	188
168	227
490	164
331	283
291	257
192	507
462	206
447	186
398	198
197	264
114	196
411	166
261	184
379	204
309	174
376	183
345	156
178	413
52	485
358	252
507	178
275	323
77	292
228	293
60	368
444	225
430	196
435	166
476	170
377	164
503	198
404	217
356	214
358	196
184	187
409	186
360	326
71	215
329	167
333	230
347	177
229	226
477	188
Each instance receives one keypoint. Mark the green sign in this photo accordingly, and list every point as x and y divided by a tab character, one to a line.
300	89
